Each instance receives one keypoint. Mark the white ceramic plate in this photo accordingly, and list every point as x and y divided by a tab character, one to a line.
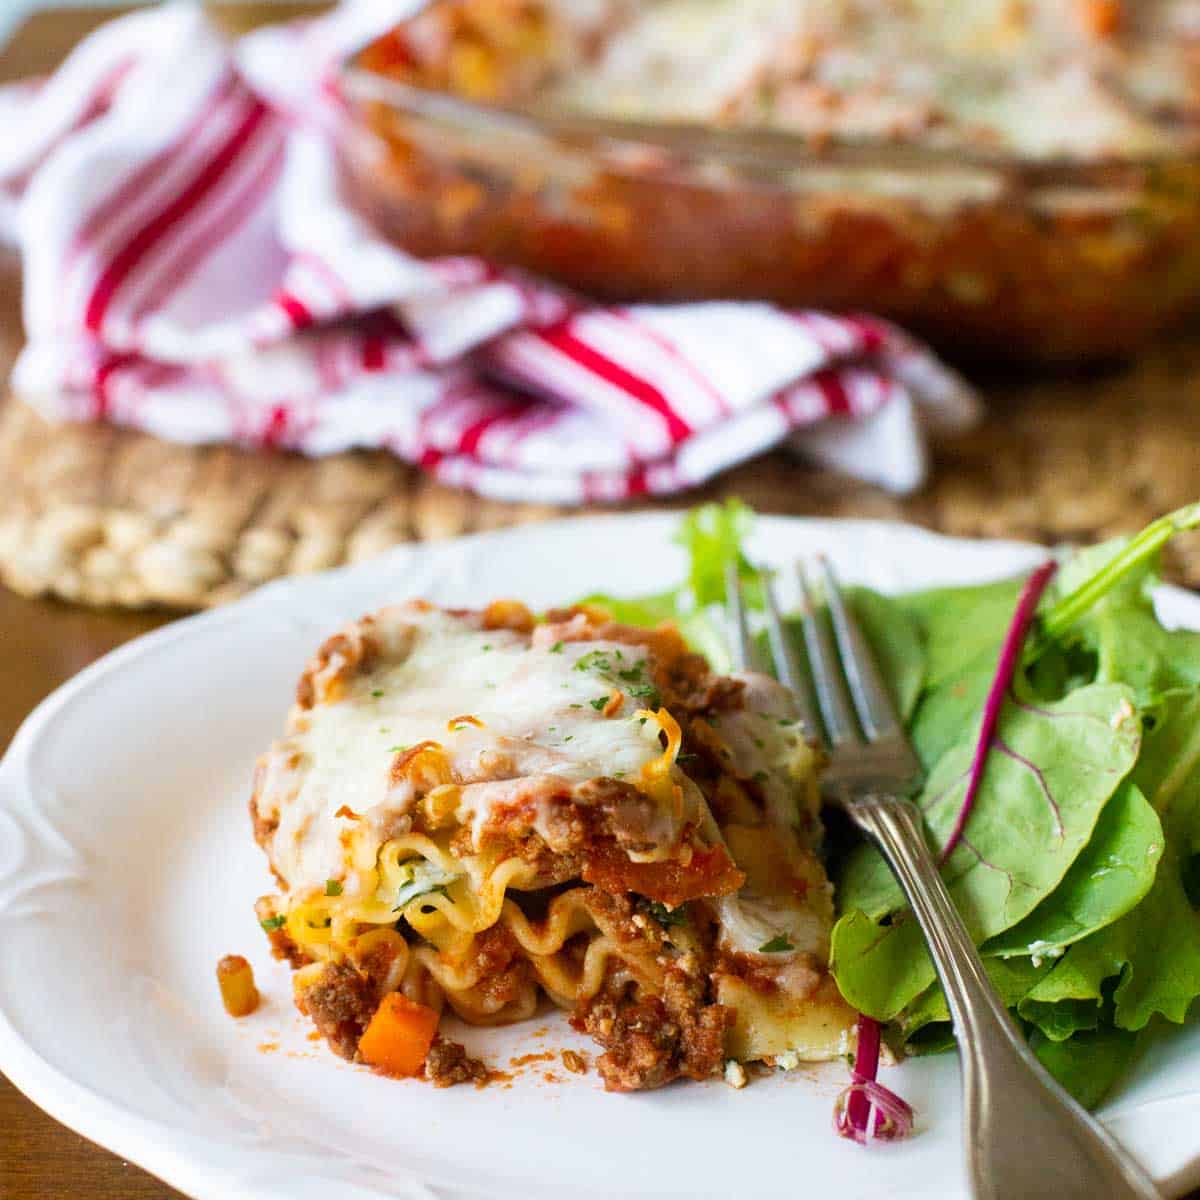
127	869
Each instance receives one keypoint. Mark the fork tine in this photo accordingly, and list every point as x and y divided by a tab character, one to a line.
871	700
787	666
827	675
741	649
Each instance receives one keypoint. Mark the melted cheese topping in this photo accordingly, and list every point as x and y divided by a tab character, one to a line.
502	710
1078	78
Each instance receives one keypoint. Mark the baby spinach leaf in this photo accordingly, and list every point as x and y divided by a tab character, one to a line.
959	624
949	712
879	968
1047	781
1153	953
1112	874
896	642
1087	1064
962	629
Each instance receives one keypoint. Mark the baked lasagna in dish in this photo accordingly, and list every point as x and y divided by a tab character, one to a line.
1079	79
1019	178
469	810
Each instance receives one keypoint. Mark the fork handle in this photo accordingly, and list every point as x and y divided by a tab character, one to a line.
1024	1135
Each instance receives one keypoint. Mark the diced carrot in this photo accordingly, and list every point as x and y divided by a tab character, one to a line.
399	1036
235	977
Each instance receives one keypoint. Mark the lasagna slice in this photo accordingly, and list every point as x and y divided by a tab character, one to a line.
469	809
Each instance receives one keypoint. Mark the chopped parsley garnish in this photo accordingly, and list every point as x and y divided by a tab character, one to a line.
569	738
377	692
273	923
760	777
485	647
333	887
599	702
397	749
632	678
777	945
759	742
667	916
576	705
557	648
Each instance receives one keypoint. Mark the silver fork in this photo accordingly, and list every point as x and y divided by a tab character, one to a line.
1024	1135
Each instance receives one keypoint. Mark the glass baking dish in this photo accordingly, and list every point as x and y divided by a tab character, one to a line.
1009	258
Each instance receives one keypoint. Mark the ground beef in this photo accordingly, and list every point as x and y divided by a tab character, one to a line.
619	917
506	975
651	1041
341	1003
448	1063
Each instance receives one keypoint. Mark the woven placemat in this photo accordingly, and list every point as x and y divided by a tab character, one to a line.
105	516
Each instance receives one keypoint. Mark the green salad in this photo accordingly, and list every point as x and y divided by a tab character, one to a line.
1078	872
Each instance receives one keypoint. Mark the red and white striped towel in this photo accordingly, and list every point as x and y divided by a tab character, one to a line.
192	270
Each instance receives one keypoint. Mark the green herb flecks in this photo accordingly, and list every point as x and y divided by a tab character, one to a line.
665	916
777	945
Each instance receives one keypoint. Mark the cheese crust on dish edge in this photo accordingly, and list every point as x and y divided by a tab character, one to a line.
469	810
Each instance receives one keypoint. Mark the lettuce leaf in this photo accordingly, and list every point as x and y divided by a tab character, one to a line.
1153	954
712	535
